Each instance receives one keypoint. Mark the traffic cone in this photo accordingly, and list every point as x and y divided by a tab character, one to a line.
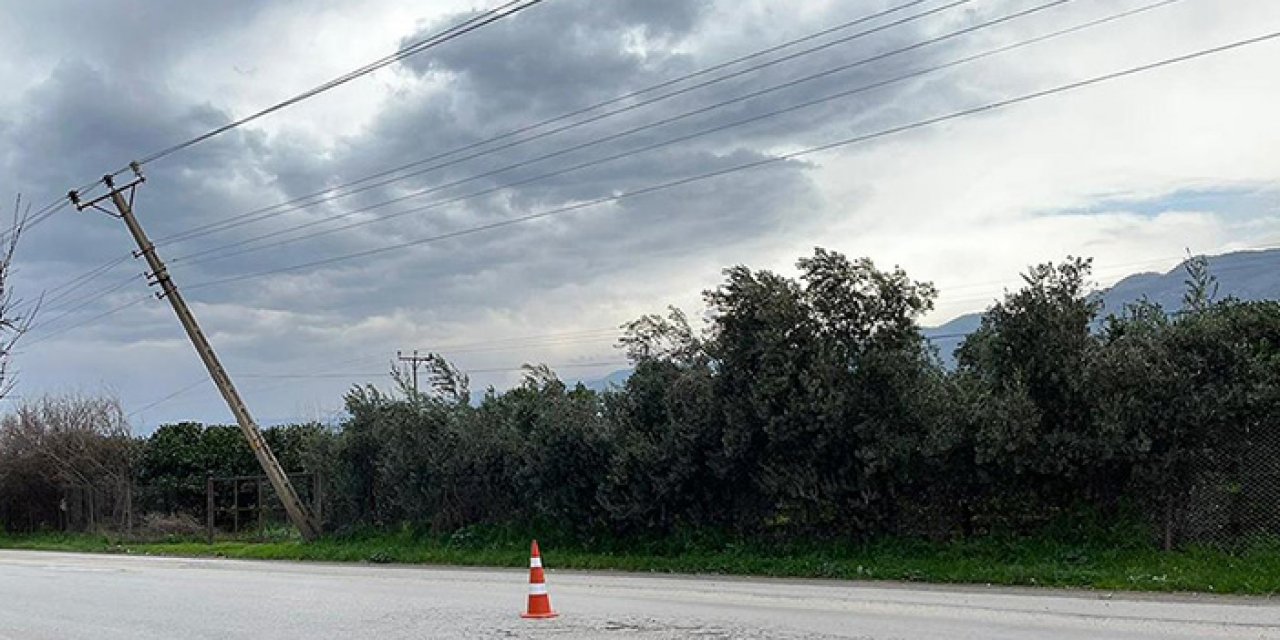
539	603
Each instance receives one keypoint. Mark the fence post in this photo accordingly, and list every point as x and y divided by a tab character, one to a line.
128	507
208	507
235	513
317	497
262	514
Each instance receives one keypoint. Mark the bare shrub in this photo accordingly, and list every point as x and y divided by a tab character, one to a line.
170	525
12	324
66	462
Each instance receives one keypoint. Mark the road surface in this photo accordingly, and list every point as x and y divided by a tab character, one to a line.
73	596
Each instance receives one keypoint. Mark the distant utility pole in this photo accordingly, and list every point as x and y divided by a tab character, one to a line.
415	361
298	512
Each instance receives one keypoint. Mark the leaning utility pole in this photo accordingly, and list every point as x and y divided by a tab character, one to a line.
298	512
415	361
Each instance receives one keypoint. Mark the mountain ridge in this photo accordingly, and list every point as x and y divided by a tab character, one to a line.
1246	275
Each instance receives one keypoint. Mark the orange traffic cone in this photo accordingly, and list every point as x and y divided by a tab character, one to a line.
539	603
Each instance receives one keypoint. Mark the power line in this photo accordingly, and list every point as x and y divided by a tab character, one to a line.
63	290
95	318
51	296
28	221
308	376
941	336
514	342
187	257
456	31
235	221
151	405
451	348
471	24
340	375
586	336
460	348
88	188
455	350
44	213
466	26
592	335
77	305
537	345
858	139
470	371
652	125
571	365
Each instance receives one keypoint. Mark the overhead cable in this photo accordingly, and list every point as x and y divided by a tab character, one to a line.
773	160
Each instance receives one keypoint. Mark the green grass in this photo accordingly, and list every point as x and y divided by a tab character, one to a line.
1032	562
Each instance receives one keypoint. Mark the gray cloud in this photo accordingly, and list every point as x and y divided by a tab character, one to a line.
557	55
135	37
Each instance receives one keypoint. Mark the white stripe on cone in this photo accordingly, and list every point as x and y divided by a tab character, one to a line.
535	563
538	589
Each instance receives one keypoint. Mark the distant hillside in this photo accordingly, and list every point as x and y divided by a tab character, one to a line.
614	380
1247	275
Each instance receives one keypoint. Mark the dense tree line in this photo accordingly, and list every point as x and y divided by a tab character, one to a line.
813	407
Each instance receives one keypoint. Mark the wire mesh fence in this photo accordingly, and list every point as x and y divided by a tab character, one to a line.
1230	503
1237	503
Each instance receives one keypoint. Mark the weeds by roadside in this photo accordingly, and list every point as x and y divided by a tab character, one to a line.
1254	570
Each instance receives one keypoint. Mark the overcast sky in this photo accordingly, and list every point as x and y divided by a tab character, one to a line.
1131	172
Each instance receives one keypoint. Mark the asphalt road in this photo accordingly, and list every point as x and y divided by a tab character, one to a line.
72	596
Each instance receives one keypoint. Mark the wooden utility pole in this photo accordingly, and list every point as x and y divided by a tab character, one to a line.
298	512
415	361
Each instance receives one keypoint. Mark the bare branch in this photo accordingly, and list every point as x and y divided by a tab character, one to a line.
12	327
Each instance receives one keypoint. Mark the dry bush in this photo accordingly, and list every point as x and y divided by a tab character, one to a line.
171	525
66	461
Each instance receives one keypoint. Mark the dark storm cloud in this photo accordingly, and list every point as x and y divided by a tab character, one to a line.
556	55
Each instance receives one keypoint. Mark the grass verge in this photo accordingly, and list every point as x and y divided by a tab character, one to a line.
1030	562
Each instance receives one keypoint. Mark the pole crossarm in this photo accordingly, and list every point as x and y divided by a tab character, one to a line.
415	361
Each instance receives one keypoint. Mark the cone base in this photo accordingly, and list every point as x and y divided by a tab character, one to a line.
549	614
